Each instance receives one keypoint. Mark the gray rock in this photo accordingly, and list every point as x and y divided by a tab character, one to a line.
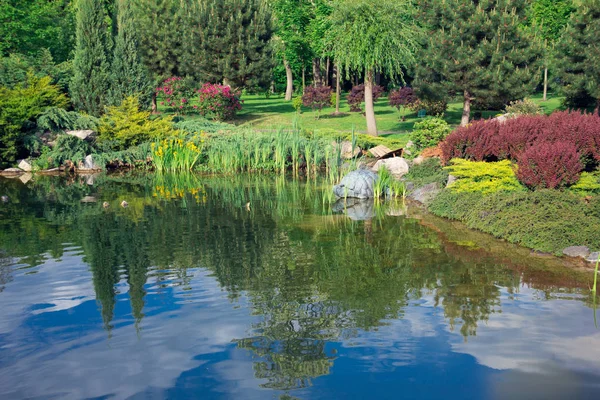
577	251
396	165
409	144
355	209
357	184
593	257
25	166
451	180
426	194
82	134
4	199
347	152
90	164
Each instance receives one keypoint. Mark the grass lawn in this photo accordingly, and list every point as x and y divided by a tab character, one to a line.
262	113
265	114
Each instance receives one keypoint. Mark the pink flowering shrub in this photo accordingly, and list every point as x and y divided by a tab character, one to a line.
218	101
176	93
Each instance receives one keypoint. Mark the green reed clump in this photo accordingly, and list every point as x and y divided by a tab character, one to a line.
176	153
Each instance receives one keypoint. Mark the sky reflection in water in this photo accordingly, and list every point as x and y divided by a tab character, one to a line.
189	293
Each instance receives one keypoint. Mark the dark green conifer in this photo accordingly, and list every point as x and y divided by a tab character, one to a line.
90	83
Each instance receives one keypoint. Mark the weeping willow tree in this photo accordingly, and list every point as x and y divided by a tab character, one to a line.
370	39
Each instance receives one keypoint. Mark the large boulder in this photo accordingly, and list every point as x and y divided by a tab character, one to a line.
355	209
357	184
397	166
12	172
346	149
82	134
90	164
426	194
25	166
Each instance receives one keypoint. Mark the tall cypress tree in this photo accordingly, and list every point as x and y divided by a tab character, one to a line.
578	56
234	42
478	49
128	74
90	82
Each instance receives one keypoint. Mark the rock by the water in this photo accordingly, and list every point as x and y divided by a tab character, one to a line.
355	209
26	177
357	184
409	144
12	171
418	160
451	180
593	257
25	166
577	251
90	164
426	194
346	149
397	166
81	134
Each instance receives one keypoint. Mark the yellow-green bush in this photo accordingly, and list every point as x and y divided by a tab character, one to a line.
483	177
588	184
126	125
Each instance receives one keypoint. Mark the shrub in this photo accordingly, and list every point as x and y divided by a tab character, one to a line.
125	125
357	96
58	119
19	107
218	101
588	184
297	104
66	148
403	97
492	140
429	171
177	94
316	97
433	107
550	165
544	220
429	132
199	125
483	177
523	107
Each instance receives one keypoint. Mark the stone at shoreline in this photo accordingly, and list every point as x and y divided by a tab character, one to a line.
577	251
357	184
90	164
593	257
355	209
397	166
346	149
26	177
426	194
81	134
25	166
418	160
12	171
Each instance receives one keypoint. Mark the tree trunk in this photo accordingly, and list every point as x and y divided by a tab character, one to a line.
154	106
338	90
303	78
316	71
327	72
289	90
369	108
466	109
545	83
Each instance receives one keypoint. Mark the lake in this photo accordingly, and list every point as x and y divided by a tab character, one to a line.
260	288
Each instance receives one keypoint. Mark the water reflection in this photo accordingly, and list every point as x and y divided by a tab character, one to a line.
240	285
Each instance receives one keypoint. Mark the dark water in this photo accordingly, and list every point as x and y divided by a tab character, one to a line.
191	292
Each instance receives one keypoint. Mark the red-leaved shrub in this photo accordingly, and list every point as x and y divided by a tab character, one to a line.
316	97
549	165
357	96
402	97
494	140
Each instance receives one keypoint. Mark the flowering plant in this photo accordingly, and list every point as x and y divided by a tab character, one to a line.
176	94
218	101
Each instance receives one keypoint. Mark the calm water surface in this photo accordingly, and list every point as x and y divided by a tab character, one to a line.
257	288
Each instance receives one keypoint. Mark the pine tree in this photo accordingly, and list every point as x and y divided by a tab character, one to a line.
578	56
128	74
478	49
234	42
90	82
